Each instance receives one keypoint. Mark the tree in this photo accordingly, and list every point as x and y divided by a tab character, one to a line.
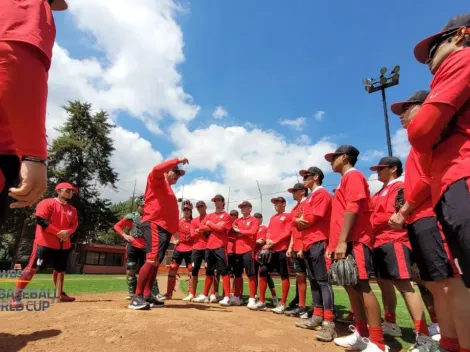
81	155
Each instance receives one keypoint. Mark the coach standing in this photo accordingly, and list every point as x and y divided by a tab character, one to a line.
159	223
27	35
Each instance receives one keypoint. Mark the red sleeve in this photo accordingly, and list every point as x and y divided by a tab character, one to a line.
354	187
262	232
122	224
193	229
252	231
159	170
227	224
450	91
287	229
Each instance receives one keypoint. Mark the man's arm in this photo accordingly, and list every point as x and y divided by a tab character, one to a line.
43	213
74	223
252	231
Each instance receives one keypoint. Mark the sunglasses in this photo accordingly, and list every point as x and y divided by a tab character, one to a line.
67	191
307	176
439	41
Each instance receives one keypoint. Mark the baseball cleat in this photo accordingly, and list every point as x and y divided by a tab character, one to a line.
225	302
372	347
275	301
213	299
235	301
152	301
251	304
353	341
327	332
434	331
160	298
391	329
201	299
313	323
65	298
280	309
139	303
188	298
299	312
348	319
260	306
424	344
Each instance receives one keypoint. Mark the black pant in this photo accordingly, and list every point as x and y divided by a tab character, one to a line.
453	212
278	263
45	257
244	261
197	256
135	255
216	258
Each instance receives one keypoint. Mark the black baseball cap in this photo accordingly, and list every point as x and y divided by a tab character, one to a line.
389	161
258	215
297	187
200	204
244	204
423	48
278	200
178	171
234	212
312	171
416	98
343	149
218	196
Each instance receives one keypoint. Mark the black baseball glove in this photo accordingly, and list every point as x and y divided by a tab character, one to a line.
264	256
343	272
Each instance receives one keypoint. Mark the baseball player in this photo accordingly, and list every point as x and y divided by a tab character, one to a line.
231	258
135	246
314	226
431	252
392	250
277	241
159	223
295	252
351	233
260	242
56	221
183	250
27	35
246	229
218	223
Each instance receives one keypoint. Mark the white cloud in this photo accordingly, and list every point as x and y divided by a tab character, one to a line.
400	144
372	155
219	112
319	115
303	139
229	154
295	123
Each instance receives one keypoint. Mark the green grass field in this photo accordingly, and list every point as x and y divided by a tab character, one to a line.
82	284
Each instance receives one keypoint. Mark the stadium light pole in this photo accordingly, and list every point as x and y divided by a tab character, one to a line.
385	81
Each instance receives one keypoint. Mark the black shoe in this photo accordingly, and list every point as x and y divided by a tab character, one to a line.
153	302
299	312
310	311
139	303
290	311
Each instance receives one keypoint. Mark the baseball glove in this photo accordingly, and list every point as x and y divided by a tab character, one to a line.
264	256
400	199
415	276
343	272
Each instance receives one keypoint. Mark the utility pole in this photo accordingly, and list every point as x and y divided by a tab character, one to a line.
228	199
133	196
260	196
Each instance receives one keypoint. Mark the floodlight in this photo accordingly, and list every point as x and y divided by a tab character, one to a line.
395	77
396	69
368	88
383	70
383	81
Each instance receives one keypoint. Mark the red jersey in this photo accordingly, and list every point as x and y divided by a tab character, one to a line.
262	232
221	224
246	238
161	205
418	186
451	157
184	236
353	187
317	212
126	223
296	213
384	209
60	217
28	21
279	230
232	237
200	240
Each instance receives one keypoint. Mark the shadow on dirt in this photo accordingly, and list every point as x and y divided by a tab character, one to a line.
13	343
197	306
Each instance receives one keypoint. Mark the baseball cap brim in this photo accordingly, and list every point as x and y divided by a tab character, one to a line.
376	167
329	157
276	200
59	5
421	50
304	172
216	198
399	108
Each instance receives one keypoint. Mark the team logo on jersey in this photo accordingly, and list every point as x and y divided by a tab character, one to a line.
69	212
248	223
39	262
384	193
283	218
222	216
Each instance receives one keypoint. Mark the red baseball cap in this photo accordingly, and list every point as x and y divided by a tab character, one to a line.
59	5
244	204
66	185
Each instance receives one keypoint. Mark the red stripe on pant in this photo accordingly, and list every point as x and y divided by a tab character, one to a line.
403	271
359	255
155	238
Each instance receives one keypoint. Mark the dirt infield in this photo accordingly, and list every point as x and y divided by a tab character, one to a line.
102	322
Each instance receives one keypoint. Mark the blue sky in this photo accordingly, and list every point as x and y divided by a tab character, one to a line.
266	61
